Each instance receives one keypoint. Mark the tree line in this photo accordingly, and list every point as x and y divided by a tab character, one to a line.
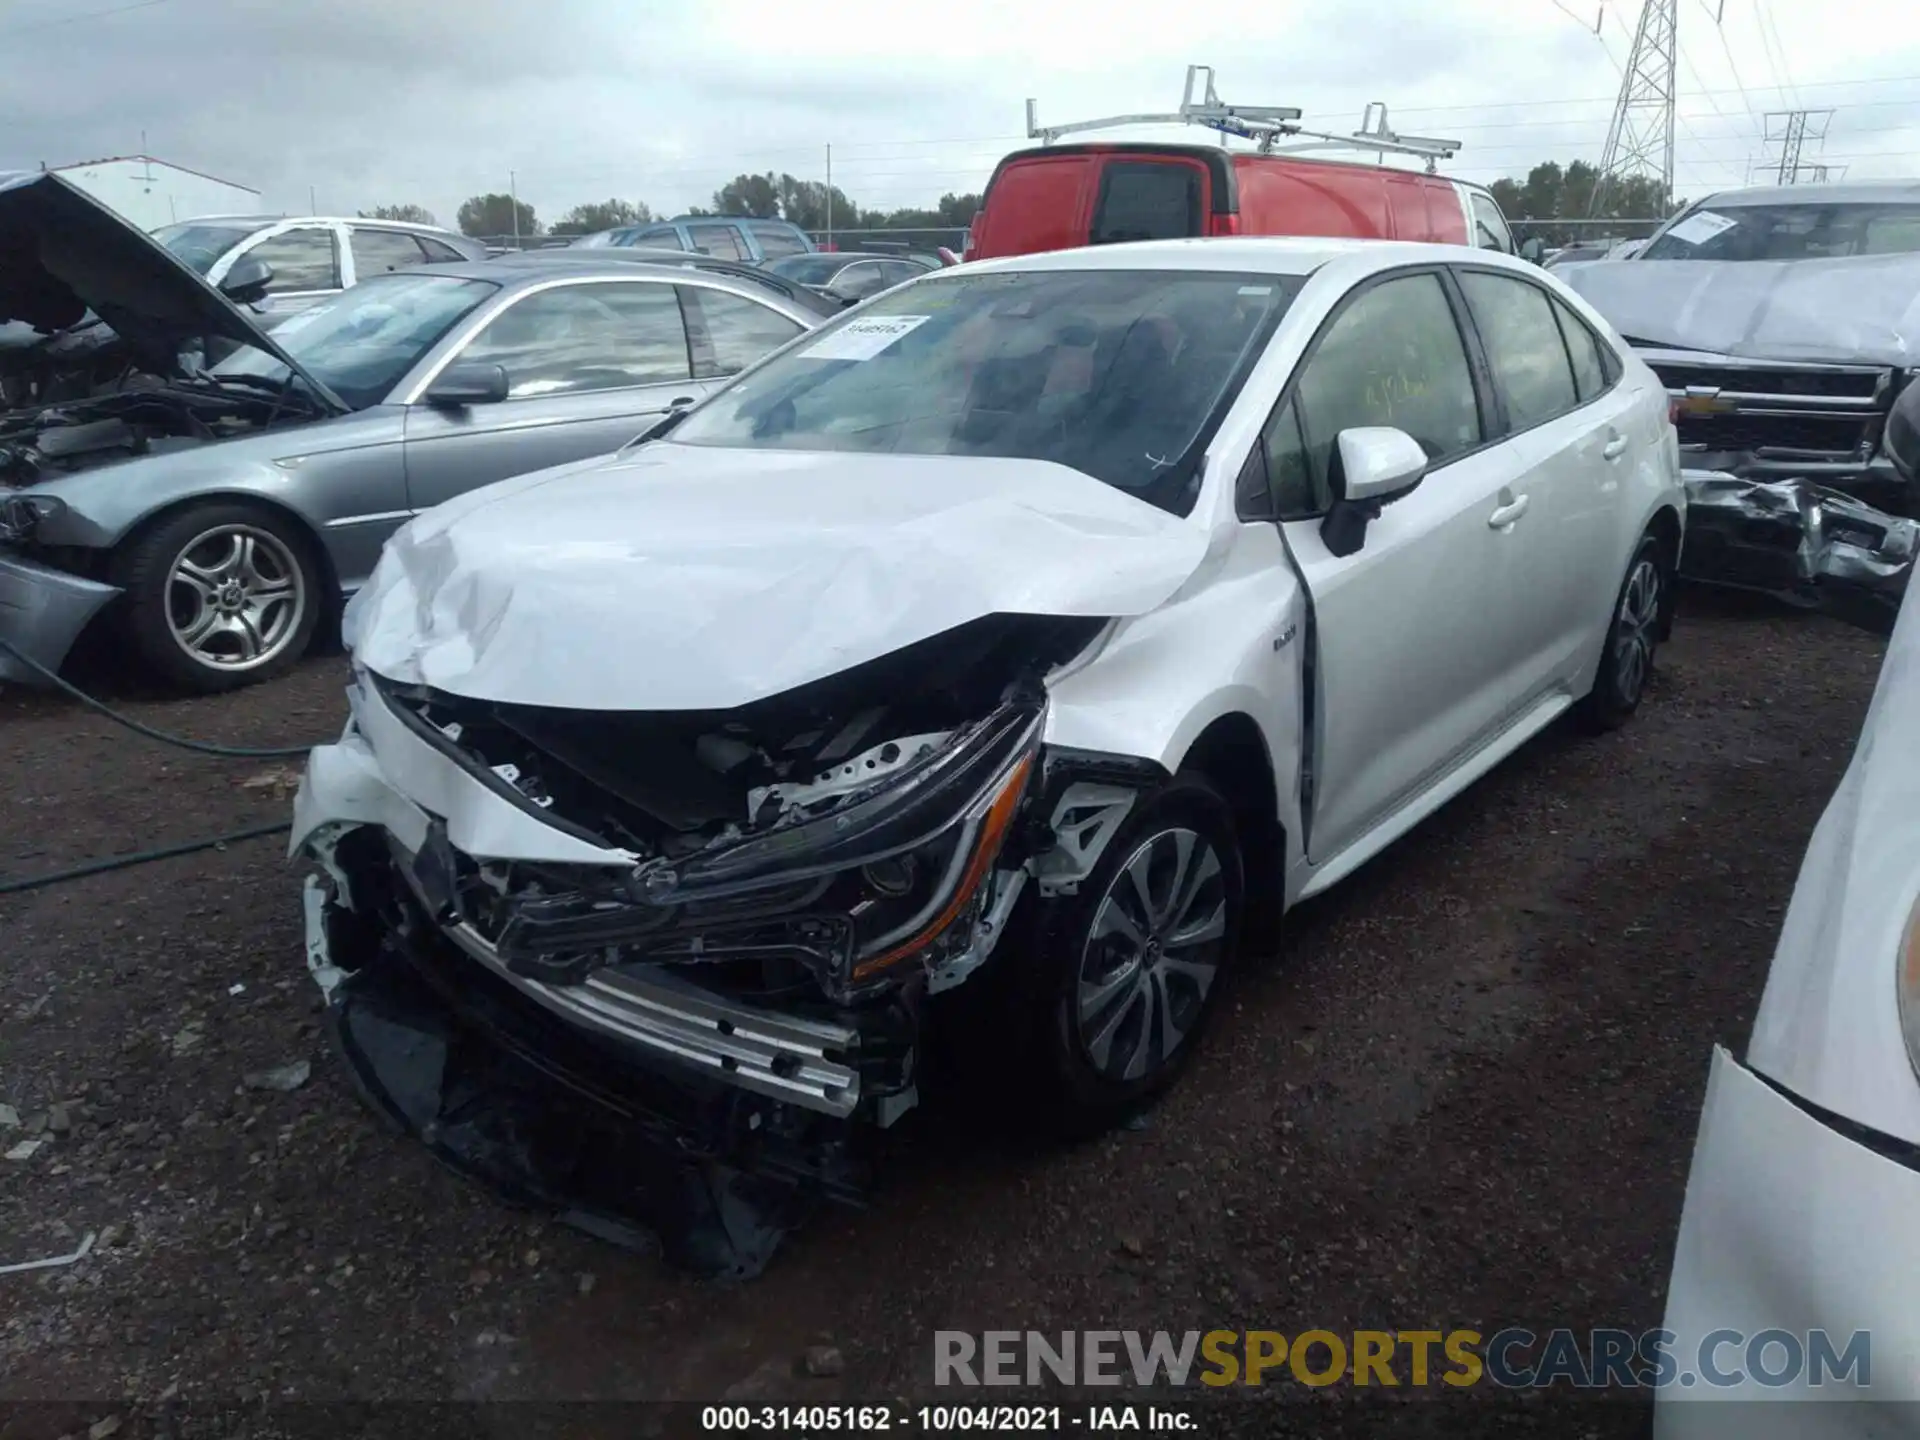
1550	191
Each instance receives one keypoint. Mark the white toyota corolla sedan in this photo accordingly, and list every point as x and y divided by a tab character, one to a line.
1026	634
1795	1274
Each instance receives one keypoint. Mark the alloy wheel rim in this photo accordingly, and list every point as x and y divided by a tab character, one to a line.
1634	630
1152	954
235	597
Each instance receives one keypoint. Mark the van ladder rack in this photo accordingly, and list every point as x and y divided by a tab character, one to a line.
1265	125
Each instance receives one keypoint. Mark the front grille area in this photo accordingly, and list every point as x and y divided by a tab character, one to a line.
1798	384
1841	436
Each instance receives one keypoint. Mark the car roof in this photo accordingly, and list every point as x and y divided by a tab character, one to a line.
1831	192
510	270
1263	254
372	220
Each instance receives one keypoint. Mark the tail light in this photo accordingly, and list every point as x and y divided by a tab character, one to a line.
1223	225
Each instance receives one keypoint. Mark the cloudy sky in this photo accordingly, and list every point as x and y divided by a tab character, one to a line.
362	102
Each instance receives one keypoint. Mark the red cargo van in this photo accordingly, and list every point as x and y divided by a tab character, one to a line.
1056	197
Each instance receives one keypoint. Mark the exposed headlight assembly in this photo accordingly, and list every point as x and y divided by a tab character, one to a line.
21	515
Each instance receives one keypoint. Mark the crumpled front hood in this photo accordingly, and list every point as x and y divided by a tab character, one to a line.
63	253
1859	310
677	577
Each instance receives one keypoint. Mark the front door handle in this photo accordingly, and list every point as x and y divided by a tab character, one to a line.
1615	448
1503	518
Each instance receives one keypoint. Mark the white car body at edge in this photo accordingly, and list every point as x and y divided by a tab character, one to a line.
1475	613
1792	1222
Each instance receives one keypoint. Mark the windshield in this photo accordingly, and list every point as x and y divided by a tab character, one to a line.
1789	232
1119	374
200	243
360	342
809	269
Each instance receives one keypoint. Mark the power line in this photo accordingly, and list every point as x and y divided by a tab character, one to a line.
77	19
1779	47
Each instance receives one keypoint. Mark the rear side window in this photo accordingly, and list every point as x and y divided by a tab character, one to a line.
1524	347
1591	373
739	330
720	241
438	251
777	240
1393	357
303	259
1147	200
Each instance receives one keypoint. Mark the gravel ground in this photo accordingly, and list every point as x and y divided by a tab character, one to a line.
1463	1096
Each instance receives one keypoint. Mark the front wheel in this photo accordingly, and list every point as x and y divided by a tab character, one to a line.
1633	635
220	595
1135	962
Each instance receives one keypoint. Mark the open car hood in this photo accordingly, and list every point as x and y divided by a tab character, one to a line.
677	577
62	254
1857	310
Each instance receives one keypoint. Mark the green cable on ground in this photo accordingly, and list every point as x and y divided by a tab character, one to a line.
141	857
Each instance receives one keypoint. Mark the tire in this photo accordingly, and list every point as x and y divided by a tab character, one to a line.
220	595
1633	637
1103	1048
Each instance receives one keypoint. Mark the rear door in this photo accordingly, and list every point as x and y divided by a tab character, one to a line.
589	365
1416	632
1148	197
1567	427
1035	203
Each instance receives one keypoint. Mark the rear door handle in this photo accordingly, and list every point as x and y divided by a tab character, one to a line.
1503	518
1615	448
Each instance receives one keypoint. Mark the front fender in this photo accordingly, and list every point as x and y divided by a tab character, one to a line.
1232	646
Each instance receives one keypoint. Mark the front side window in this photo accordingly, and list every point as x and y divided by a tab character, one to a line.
1120	374
586	337
1394	357
198	244
303	259
361	342
720	241
375	252
438	251
1489	225
1524	347
1788	232
1147	200
739	330
778	240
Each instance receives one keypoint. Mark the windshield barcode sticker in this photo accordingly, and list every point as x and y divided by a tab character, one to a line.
864	338
1700	228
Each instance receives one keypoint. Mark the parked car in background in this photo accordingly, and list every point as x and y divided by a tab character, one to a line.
224	512
1072	609
1806	1171
311	256
850	276
1055	197
725	237
762	276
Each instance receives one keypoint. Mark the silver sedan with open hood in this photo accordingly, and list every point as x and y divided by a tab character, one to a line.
217	491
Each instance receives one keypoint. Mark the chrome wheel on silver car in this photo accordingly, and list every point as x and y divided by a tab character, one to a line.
236	597
1637	627
221	593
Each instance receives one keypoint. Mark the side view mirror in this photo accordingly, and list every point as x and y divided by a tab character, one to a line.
247	281
1533	249
1903	433
468	382
1378	465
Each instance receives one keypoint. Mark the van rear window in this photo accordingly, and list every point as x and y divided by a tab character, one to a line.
1147	200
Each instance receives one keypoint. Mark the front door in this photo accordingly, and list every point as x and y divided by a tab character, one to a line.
1415	632
589	366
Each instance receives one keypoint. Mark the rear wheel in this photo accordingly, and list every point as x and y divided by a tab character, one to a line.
1633	636
220	595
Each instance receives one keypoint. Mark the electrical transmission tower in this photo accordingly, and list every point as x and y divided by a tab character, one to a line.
1640	140
1791	130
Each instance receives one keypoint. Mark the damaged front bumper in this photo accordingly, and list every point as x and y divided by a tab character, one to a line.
42	612
1801	541
741	990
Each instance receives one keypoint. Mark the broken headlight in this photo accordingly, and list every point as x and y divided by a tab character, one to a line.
21	515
